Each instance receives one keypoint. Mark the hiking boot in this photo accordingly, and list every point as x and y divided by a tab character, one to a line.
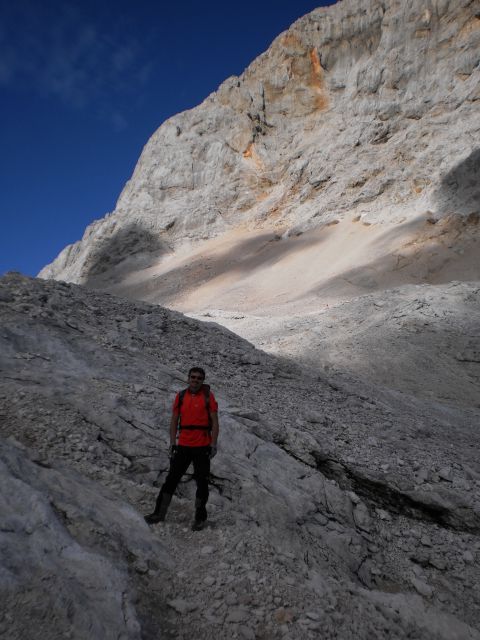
200	515
161	508
198	525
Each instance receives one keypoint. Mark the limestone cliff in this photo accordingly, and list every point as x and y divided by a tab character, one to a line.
366	109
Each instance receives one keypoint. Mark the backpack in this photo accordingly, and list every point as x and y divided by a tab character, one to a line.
206	394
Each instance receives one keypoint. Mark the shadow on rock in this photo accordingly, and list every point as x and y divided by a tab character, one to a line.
131	247
259	252
459	191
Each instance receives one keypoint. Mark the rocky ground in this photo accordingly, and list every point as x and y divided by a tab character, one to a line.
337	508
423	340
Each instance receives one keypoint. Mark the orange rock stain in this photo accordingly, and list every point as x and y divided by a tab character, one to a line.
251	154
317	81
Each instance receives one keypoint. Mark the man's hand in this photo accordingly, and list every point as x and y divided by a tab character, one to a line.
172	451
213	451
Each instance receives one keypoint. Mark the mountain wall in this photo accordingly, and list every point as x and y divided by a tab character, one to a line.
364	110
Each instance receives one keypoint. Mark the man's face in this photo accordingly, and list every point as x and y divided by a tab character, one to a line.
195	381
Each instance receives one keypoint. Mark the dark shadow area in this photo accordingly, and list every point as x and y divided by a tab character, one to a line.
421	341
263	250
404	503
131	246
459	191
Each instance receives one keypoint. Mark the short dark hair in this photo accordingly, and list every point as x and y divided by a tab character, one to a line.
197	370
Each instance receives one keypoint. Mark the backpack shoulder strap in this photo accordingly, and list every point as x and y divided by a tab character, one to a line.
181	396
206	395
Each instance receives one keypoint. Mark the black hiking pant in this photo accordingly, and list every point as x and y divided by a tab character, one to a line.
184	456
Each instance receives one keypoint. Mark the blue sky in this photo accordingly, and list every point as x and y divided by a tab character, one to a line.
84	84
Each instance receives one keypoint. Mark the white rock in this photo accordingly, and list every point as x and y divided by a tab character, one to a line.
207	550
362	517
446	473
182	606
237	614
383	515
468	557
422	587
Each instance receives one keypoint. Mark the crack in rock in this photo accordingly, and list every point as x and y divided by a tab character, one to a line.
420	506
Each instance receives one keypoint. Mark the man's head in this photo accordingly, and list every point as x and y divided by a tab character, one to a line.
196	376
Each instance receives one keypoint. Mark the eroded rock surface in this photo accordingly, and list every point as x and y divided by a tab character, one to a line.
333	511
363	109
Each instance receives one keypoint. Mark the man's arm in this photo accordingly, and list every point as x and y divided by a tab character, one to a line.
173	427
215	427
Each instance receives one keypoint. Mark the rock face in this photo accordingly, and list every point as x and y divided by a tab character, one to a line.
363	109
337	509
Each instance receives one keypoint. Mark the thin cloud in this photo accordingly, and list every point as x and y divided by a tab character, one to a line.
119	121
57	51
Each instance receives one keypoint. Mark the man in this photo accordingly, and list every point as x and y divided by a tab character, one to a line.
195	421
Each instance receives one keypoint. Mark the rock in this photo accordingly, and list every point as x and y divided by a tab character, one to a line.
421	475
312	615
383	515
246	633
438	563
182	606
237	614
6	296
78	533
231	599
315	417
468	557
362	517
250	358
423	588
353	497
244	413
421	557
282	615
207	550
446	473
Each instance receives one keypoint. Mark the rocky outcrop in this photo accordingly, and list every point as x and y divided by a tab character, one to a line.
363	109
336	509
